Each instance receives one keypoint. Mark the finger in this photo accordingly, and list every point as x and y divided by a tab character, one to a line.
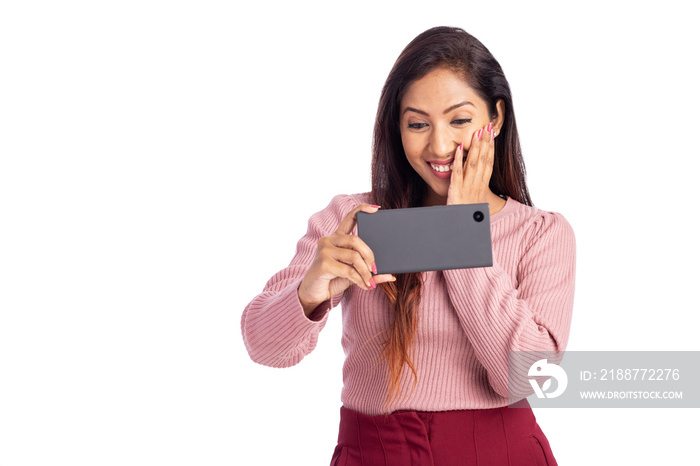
472	159
481	161
349	272
383	278
473	149
350	219
488	169
485	163
353	258
355	243
457	165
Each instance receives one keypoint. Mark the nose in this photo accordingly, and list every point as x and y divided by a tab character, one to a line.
442	142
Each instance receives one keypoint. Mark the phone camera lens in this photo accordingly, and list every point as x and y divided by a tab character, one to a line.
478	216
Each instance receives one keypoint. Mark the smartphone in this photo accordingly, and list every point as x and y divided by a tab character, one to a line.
420	239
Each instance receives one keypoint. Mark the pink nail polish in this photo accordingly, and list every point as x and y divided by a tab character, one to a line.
376	206
478	135
461	147
374	285
488	130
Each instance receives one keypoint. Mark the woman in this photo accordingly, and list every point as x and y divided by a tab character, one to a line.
426	369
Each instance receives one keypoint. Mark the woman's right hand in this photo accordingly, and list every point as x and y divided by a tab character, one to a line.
341	260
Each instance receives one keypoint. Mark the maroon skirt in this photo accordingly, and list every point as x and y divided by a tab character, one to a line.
475	437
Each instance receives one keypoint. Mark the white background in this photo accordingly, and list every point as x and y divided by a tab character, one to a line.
160	160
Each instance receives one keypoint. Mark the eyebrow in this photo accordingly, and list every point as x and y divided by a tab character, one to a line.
466	102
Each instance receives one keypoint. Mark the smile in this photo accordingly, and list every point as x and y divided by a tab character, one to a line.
441	168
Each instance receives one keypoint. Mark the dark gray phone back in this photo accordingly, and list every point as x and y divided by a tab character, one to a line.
428	238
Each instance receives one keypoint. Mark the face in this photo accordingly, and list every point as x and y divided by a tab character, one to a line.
438	113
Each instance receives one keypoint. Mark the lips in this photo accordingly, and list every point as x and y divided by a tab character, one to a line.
441	169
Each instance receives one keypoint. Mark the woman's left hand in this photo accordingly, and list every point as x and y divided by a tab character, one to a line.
469	183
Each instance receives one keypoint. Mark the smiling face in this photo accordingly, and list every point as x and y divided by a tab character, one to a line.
438	113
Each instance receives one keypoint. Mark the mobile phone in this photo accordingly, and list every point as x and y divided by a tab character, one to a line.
419	239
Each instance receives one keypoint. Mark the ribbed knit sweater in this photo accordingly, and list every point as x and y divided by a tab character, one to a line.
468	319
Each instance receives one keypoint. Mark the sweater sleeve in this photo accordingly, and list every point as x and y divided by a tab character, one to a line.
533	316
276	332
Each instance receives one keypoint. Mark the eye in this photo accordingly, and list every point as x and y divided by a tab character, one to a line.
461	121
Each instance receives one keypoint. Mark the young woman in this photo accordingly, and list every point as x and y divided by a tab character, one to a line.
426	369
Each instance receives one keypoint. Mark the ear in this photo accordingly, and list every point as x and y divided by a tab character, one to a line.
500	117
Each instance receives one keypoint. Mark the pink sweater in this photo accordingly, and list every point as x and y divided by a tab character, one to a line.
467	322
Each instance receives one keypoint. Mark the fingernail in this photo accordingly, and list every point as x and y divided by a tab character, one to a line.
374	268
489	128
478	135
376	206
393	278
371	280
461	147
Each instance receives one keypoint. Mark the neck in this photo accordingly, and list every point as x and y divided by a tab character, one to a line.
495	202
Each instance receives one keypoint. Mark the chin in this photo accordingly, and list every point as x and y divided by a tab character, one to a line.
440	189
440	192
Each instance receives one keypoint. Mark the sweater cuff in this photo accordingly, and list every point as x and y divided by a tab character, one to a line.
321	312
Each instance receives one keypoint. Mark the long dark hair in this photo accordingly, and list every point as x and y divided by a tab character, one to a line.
396	185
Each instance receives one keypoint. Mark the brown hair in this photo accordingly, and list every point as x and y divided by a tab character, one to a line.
396	185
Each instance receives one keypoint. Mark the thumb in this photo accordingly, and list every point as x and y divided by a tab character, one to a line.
384	278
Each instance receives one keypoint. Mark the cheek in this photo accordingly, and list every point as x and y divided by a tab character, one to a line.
468	137
415	161
406	142
410	148
415	157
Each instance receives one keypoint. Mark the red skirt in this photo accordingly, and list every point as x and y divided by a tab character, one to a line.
475	437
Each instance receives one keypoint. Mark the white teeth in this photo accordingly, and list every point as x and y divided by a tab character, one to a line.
441	168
